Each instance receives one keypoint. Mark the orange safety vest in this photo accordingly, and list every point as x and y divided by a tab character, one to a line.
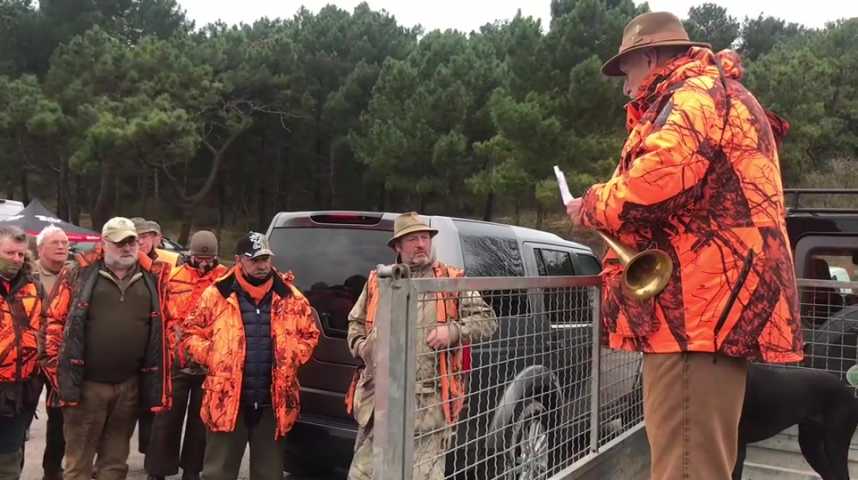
451	364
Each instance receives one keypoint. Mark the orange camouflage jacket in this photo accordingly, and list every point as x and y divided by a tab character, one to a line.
699	177
214	338
185	286
62	350
20	320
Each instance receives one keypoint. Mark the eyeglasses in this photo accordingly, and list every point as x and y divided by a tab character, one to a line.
125	243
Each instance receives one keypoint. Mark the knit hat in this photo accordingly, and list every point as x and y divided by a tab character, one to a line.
203	244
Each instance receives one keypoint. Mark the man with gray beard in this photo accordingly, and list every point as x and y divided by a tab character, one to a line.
448	324
104	350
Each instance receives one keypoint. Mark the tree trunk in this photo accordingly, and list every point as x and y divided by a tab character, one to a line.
75	199
187	222
102	208
382	195
156	187
540	215
320	175
517	217
488	209
25	186
261	207
143	191
332	186
64	188
221	206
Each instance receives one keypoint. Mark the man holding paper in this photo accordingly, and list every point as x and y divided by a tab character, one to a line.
699	178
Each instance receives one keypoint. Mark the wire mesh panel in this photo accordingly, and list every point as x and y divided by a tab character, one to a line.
620	393
829	312
502	372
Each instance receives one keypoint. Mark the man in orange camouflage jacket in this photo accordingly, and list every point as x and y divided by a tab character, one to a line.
184	289
251	331
20	319
105	351
699	177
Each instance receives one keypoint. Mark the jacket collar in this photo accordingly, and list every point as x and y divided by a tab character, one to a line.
227	284
694	63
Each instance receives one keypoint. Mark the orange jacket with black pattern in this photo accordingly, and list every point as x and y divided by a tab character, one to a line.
20	319
699	177
185	286
62	350
214	337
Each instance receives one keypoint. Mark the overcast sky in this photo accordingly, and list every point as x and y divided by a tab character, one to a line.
467	15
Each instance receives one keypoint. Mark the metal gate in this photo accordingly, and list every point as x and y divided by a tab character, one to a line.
528	411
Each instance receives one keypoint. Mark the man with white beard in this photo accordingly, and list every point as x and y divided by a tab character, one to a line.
104	350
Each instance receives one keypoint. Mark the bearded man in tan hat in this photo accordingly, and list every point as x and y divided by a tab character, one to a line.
104	350
184	289
698	178
439	399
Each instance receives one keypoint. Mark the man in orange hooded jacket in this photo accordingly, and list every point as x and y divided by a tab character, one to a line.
699	178
251	331
184	288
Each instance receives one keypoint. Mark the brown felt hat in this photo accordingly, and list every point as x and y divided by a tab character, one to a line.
654	29
407	223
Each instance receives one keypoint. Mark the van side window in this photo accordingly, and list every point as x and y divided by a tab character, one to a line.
587	264
553	262
486	256
563	306
491	257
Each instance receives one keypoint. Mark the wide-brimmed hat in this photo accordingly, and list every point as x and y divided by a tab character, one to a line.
407	223
654	29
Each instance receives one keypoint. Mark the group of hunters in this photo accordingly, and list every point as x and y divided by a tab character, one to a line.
130	333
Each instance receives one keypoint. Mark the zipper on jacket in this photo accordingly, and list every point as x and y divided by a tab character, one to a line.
734	294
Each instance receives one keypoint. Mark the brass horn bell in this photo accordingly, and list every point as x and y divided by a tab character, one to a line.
645	274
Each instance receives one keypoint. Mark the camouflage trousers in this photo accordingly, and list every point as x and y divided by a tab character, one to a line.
431	441
429	456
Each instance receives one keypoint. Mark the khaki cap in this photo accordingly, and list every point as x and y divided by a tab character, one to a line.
118	229
148	226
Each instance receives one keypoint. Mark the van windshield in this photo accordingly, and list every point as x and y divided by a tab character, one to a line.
330	266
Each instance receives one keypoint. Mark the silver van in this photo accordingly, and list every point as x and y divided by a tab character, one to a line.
331	254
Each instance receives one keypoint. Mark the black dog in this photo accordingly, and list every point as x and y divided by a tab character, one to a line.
825	410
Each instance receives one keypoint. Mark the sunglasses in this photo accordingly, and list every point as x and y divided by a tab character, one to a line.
125	243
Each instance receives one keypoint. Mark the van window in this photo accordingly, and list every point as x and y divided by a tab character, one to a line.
563	306
331	266
553	262
587	264
491	257
492	251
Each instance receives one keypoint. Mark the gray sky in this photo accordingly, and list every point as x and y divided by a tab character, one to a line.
467	15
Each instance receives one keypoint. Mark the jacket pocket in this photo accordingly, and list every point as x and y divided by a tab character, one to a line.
215	384
364	400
